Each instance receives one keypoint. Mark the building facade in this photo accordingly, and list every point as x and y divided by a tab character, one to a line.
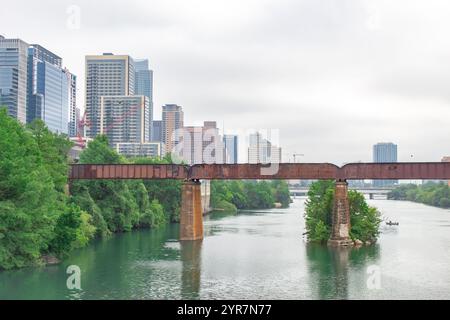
51	90
144	84
106	75
230	143
261	150
156	134
172	123
384	152
125	119
13	77
145	149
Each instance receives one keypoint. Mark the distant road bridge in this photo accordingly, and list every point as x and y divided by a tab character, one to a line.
370	191
191	218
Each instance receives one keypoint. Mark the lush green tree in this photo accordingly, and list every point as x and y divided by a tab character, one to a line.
364	220
430	193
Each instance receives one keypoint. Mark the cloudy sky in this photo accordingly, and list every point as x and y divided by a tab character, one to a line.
334	76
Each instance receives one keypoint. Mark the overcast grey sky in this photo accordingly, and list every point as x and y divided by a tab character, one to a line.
335	76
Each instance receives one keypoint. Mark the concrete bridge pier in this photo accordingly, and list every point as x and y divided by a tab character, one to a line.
191	215
341	217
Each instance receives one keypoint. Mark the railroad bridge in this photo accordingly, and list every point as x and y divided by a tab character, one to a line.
191	218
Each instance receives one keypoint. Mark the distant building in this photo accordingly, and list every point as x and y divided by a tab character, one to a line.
156	131
125	119
230	143
144	84
13	77
384	153
144	149
261	150
202	144
74	112
172	122
106	75
51	90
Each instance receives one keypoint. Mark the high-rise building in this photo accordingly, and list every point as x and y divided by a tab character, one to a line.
156	131
13	77
384	152
144	84
106	75
230	148
172	123
261	150
51	90
125	119
202	144
145	149
74	112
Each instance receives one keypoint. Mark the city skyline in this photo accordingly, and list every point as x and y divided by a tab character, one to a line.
280	89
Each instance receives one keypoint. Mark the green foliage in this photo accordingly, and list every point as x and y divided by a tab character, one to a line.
233	195
433	194
35	213
364	220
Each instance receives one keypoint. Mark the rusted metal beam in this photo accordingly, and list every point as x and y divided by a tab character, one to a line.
319	171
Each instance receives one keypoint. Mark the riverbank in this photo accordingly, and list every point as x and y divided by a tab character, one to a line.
433	194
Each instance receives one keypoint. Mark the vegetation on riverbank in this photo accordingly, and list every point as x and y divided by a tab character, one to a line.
239	195
39	219
433	194
365	220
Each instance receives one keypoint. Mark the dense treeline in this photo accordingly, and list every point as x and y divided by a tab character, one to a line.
365	220
433	194
234	195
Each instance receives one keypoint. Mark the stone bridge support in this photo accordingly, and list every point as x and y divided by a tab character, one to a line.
341	216
191	215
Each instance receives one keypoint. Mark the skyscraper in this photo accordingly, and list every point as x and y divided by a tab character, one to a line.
13	77
261	150
230	148
106	75
172	122
384	152
144	85
125	119
74	113
51	90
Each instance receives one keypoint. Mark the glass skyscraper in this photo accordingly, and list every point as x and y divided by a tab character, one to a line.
231	148
144	85
384	152
50	89
13	77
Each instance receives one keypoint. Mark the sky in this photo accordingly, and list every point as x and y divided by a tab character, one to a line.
331	77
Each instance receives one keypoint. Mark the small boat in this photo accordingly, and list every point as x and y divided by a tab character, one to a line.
390	223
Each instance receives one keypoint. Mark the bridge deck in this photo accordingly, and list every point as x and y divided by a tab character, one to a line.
309	171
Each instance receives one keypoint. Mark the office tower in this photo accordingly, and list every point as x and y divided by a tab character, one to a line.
74	112
261	150
202	144
106	75
13	77
51	90
172	123
144	84
384	153
124	119
230	148
156	131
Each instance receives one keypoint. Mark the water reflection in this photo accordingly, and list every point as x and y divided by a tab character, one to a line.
330	268
190	253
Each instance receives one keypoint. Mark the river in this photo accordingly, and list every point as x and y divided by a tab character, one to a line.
255	255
